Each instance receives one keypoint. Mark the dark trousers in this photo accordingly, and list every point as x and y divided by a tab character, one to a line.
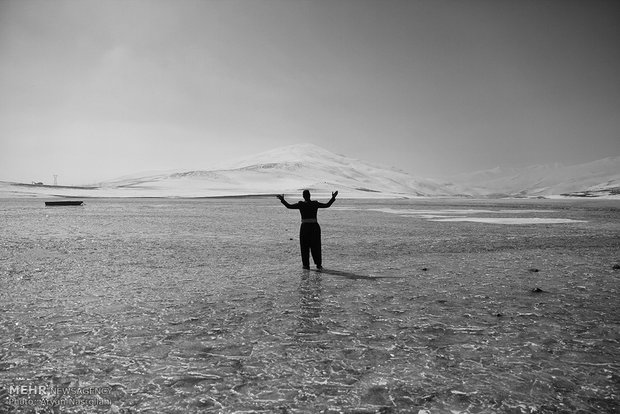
310	241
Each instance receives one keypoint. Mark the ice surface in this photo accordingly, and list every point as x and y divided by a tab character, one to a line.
201	306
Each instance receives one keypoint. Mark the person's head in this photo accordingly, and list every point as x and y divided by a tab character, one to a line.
306	195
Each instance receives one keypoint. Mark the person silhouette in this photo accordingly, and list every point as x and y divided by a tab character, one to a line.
310	231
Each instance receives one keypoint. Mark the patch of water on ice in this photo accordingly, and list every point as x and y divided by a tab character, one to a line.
456	215
509	220
454	211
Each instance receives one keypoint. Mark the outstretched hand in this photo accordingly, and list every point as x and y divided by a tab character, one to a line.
334	194
280	197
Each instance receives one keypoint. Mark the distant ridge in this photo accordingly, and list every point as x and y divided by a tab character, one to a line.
288	169
597	178
292	168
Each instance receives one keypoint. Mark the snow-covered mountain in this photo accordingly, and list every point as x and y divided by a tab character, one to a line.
293	168
287	169
596	178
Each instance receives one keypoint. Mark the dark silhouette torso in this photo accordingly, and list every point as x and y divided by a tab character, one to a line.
307	209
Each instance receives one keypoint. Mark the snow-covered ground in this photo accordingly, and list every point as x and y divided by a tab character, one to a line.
290	169
286	170
599	178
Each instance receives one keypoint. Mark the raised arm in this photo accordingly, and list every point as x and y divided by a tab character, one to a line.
286	204
330	202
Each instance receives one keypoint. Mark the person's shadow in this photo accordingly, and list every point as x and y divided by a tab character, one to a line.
348	275
354	276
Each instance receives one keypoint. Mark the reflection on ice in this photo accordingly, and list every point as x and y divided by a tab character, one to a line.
310	304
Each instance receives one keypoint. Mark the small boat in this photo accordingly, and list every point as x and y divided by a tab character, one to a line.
64	203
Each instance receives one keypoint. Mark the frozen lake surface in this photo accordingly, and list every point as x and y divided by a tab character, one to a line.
181	306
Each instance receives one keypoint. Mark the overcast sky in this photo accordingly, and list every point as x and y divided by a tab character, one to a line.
91	90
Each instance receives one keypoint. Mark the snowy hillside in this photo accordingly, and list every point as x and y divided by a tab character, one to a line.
596	178
283	170
293	168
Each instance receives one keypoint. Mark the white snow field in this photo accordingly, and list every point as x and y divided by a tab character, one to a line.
292	168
